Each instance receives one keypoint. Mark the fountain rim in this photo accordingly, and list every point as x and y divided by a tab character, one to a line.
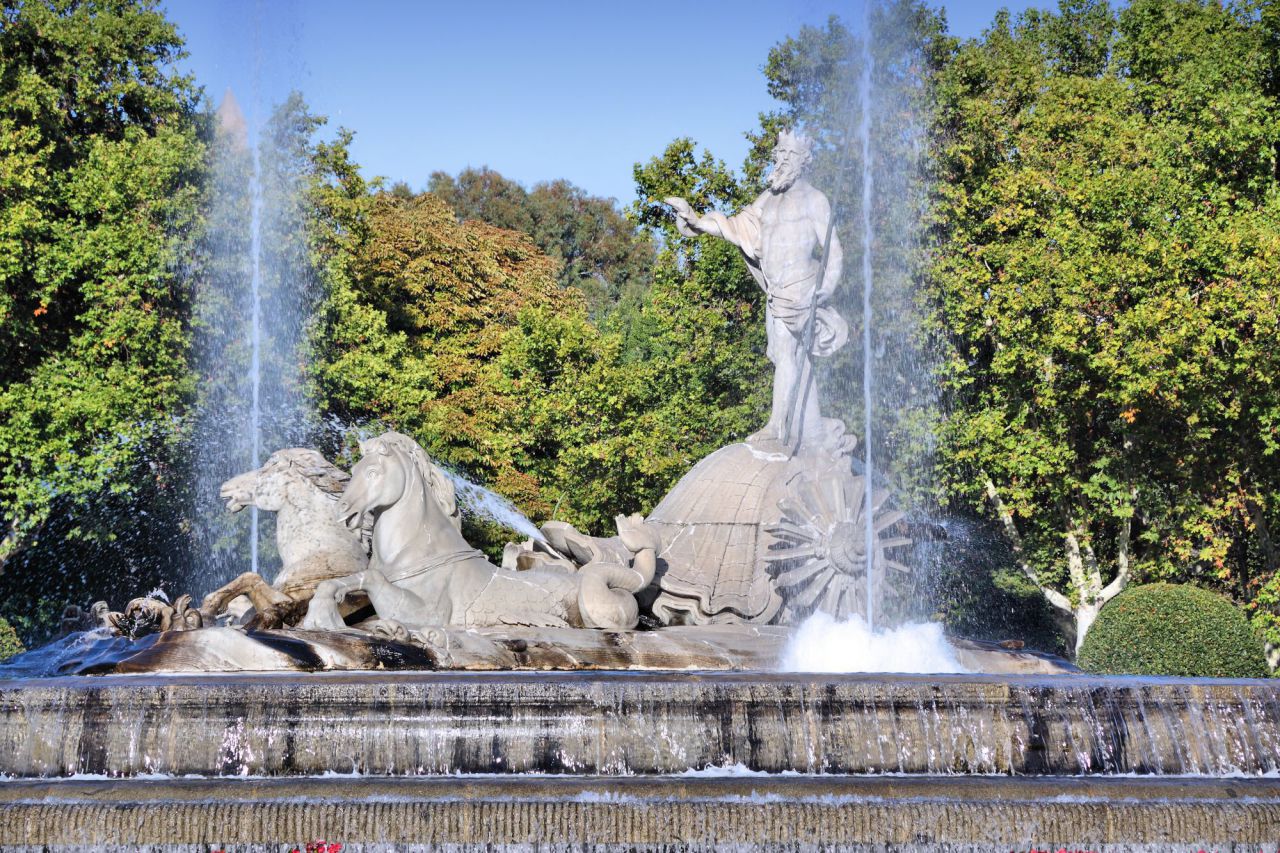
834	789
535	677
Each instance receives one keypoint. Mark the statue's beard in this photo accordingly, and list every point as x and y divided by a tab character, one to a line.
782	179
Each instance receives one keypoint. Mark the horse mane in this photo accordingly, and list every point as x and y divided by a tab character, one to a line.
328	478
438	484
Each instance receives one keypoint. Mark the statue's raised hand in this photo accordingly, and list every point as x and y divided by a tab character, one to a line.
685	216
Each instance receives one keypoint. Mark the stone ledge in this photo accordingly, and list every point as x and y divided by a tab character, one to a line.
778	812
396	724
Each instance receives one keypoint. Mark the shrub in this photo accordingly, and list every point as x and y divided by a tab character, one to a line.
1173	629
10	645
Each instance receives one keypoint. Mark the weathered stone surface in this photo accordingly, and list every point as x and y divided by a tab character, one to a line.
701	648
302	488
993	659
722	520
711	566
777	813
756	536
787	239
635	723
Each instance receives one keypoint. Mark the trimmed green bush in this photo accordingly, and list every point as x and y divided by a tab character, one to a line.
10	645
1173	629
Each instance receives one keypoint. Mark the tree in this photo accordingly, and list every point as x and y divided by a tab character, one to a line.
418	309
1105	209
101	164
600	252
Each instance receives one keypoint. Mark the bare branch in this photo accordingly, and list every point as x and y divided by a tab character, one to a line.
1075	563
1123	567
1054	597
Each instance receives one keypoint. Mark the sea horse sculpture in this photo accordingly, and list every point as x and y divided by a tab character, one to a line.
302	488
423	574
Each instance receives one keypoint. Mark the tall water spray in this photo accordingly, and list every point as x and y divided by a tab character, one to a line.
252	306
255	340
864	108
868	283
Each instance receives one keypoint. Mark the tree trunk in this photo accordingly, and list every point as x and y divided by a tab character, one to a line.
1055	598
1089	595
1265	542
1085	616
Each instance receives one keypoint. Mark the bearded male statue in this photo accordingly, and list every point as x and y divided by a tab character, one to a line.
783	236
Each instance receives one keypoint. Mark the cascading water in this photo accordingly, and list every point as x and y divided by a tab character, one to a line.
868	281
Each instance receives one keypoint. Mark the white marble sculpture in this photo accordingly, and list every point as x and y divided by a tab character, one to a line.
758	535
302	488
743	541
424	575
792	250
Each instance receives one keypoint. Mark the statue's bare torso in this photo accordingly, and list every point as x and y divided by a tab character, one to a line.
792	227
783	236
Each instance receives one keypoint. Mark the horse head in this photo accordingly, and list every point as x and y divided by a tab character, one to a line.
277	482
391	468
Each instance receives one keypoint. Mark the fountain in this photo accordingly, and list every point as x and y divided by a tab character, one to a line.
391	687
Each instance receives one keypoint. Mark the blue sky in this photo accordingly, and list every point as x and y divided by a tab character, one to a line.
538	91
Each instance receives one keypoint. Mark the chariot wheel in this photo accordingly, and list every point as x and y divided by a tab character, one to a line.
819	555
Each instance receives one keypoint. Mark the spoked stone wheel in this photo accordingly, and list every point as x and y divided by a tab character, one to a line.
819	555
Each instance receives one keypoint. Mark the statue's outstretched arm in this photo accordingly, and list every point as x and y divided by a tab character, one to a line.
690	224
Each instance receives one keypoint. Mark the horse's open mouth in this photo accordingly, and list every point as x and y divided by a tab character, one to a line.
353	519
236	500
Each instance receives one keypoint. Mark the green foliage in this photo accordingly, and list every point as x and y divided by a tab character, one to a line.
412	332
10	645
459	334
1103	231
1172	629
101	164
1108	224
599	252
611	420
976	592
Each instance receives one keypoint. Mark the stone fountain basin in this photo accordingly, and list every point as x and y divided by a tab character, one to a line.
417	724
637	760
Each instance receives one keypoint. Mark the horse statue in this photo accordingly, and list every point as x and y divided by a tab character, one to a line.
424	575
303	489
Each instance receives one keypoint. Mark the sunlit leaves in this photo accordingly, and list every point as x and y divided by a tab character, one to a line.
1108	216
